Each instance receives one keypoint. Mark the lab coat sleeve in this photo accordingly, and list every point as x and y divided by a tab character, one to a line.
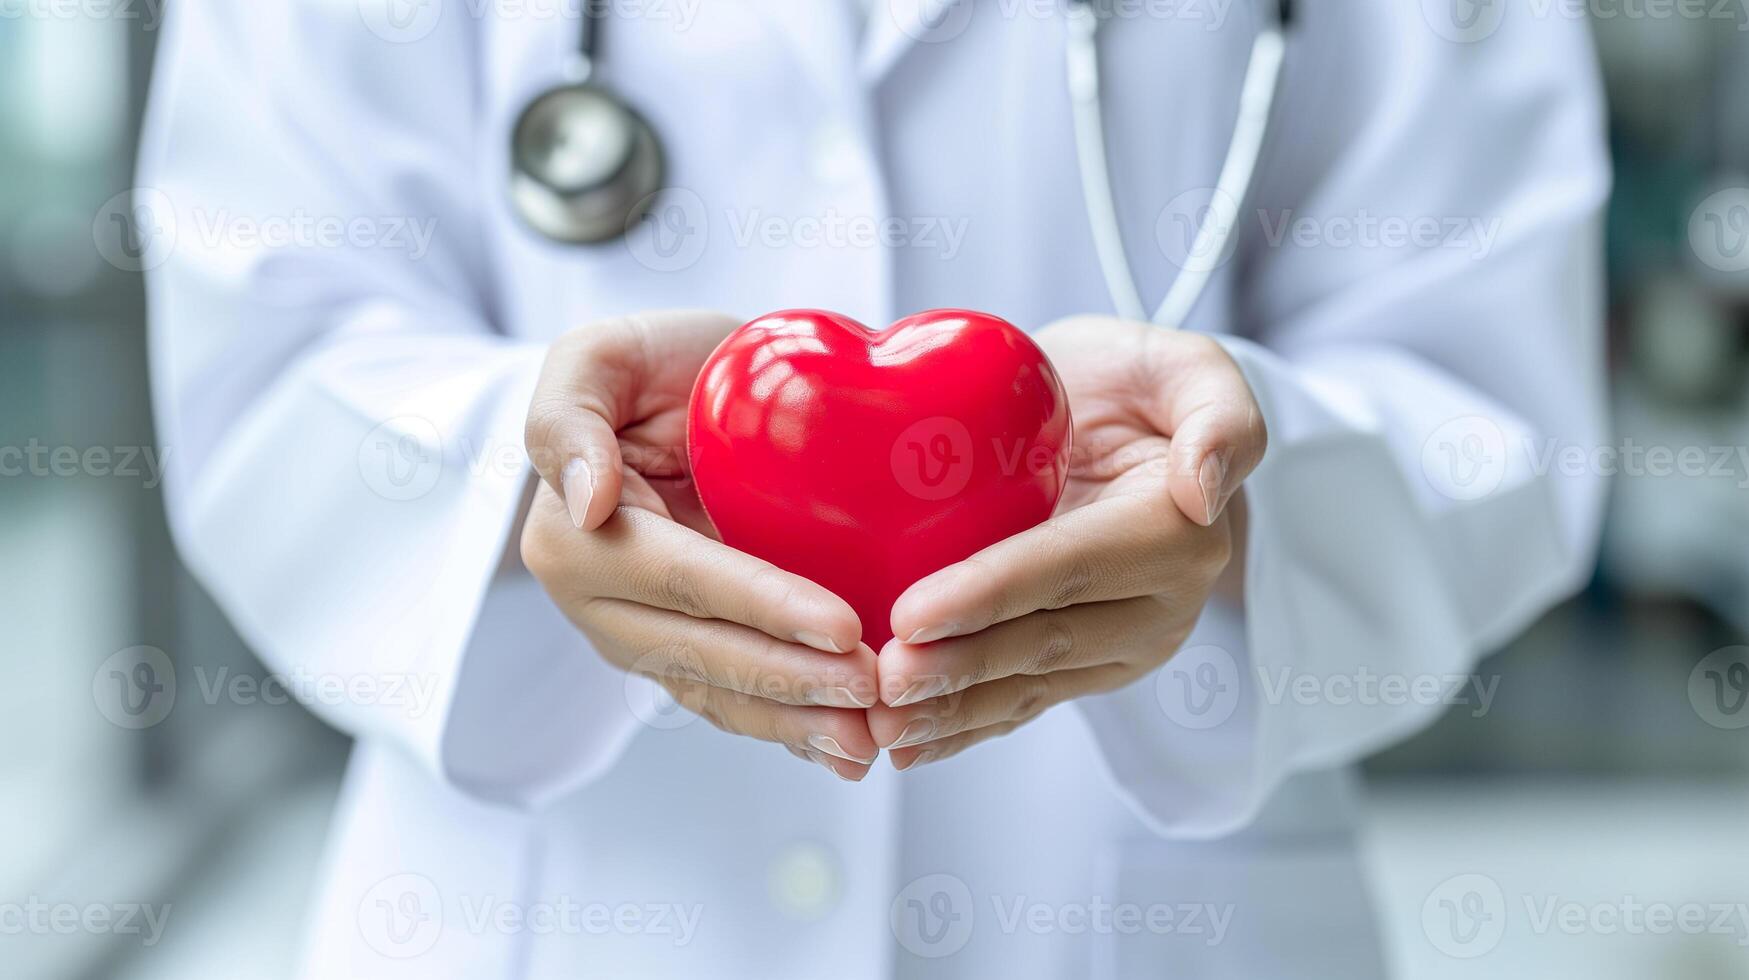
1419	502
342	417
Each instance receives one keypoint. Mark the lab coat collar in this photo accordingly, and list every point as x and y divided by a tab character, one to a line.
823	36
824	33
896	25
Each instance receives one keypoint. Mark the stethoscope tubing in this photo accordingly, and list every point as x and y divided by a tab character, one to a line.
1214	233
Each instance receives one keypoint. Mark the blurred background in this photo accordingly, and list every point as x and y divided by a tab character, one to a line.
1610	771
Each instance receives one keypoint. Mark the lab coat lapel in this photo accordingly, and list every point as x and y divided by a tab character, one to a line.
822	35
896	25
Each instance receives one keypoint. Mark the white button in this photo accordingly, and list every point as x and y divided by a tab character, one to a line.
804	880
836	158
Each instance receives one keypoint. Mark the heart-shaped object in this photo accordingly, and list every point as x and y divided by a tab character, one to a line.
866	460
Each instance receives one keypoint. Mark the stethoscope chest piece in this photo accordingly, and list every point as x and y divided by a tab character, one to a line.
584	165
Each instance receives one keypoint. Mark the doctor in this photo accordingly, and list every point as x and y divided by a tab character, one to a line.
1119	744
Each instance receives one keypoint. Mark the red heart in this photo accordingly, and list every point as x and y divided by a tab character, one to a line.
864	461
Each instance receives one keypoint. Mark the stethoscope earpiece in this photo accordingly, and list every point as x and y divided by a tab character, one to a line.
584	165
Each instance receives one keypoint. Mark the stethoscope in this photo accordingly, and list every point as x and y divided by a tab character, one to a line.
586	167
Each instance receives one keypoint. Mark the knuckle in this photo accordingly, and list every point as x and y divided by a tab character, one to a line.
980	670
679	662
705	706
1072	585
947	748
1078	324
540	431
1073	580
1032	698
601	339
674	586
1198	344
951	720
669	652
1056	646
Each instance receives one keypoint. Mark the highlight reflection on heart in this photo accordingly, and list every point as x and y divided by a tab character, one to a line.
866	460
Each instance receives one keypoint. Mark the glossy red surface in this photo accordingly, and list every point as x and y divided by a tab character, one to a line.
864	460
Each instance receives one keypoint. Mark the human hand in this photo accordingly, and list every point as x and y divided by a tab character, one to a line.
1166	428
616	536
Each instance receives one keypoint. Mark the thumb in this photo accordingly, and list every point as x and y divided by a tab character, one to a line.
604	377
1213	450
571	440
1217	432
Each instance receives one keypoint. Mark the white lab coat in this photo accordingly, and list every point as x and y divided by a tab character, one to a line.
345	417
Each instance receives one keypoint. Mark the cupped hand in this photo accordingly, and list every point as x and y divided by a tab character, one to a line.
616	536
1166	429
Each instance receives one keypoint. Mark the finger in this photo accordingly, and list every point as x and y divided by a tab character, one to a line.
1090	635
1216	447
1117	548
598	379
1203	402
1017	698
648	559
664	643
922	755
1182	384
832	737
852	772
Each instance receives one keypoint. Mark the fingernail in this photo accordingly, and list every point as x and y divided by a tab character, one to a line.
837	697
830	746
920	730
818	641
820	757
922	758
930	634
579	485
921	689
1209	478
